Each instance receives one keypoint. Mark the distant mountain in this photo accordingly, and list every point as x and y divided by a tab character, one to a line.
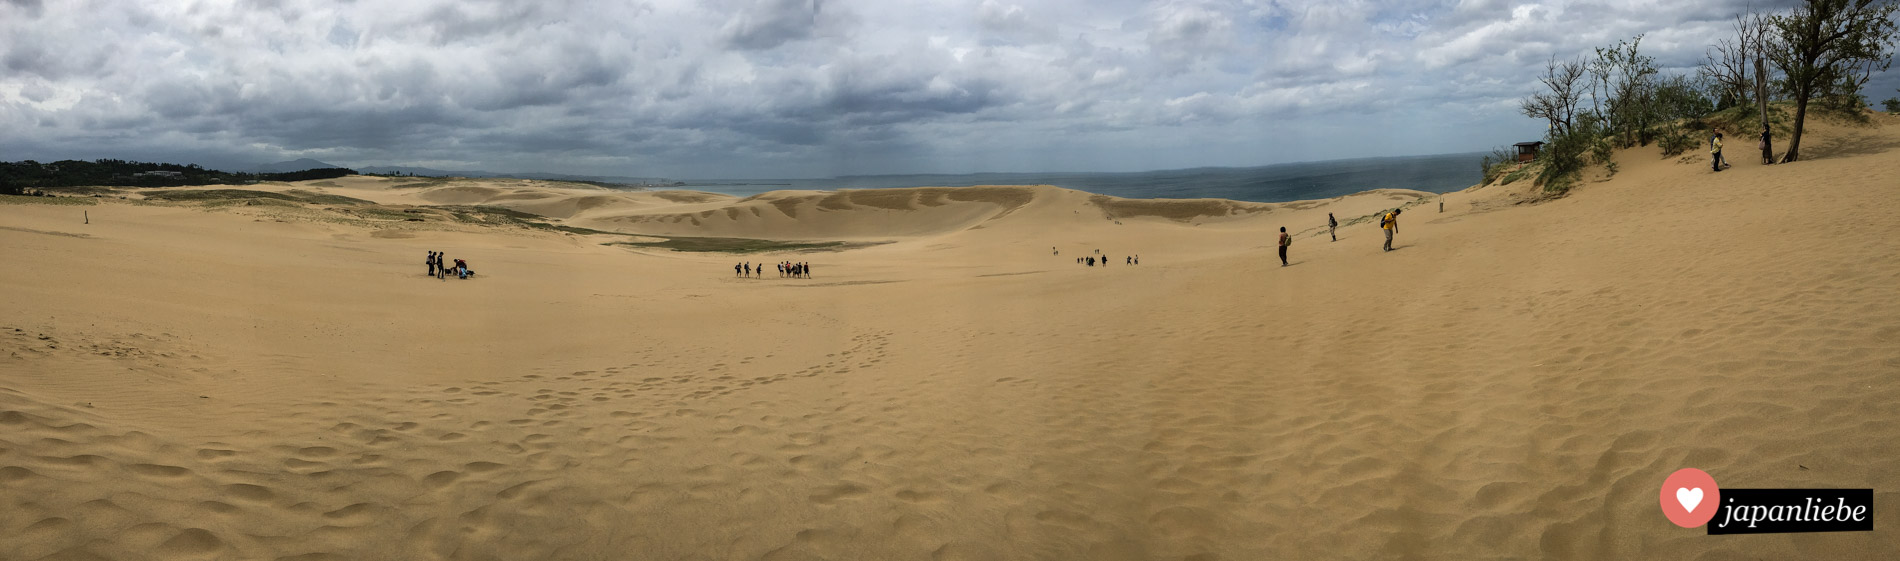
293	165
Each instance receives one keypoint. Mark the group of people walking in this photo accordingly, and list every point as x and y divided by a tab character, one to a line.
1103	260
798	270
440	267
1388	221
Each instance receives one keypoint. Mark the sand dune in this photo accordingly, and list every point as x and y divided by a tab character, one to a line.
279	380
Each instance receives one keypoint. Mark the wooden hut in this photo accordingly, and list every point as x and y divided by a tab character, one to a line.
1527	151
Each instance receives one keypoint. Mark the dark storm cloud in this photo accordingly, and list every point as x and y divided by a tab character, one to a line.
764	24
457	22
28	8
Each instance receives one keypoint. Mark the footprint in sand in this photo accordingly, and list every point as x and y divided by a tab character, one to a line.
249	492
442	478
842	491
918	497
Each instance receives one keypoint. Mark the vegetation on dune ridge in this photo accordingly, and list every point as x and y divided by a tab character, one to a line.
18	177
741	245
1816	55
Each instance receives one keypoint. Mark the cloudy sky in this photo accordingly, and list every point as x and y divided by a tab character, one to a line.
796	88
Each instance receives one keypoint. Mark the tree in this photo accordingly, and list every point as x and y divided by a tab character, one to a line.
1564	83
1892	104
1623	84
1726	64
1827	50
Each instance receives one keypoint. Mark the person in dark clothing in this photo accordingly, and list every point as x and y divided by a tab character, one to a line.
431	262
1285	240
441	265
1767	147
1332	226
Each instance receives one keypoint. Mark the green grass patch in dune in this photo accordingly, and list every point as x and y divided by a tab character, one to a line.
326	199
500	216
207	195
29	200
741	245
422	183
227	196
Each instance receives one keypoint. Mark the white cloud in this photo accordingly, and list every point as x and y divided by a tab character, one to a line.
791	87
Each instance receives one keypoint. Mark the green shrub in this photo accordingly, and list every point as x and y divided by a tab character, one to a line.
1677	140
1565	155
1500	161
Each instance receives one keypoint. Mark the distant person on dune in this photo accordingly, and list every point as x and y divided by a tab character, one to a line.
1332	226
1767	147
431	262
735	270
1285	240
1390	222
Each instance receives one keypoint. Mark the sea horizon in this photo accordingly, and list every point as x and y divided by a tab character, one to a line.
1294	181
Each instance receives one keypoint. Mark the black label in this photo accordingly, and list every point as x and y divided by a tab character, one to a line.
1777	511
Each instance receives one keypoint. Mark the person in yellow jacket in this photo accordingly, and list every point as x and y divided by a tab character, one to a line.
1715	151
1391	224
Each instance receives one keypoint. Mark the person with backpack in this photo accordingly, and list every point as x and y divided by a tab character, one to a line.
1285	240
1390	222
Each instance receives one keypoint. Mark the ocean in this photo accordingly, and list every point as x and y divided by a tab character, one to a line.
1439	173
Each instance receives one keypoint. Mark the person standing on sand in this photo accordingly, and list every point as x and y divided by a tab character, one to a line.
1391	225
431	262
1285	240
1767	147
1332	226
1715	151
